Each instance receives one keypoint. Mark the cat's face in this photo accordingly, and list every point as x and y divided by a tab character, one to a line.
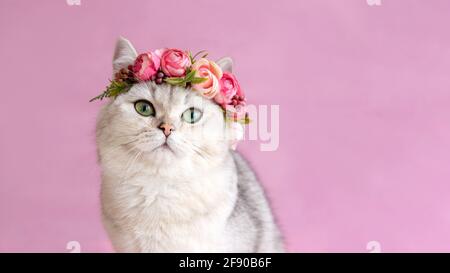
166	123
162	124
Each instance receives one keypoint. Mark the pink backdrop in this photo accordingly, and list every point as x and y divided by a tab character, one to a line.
364	106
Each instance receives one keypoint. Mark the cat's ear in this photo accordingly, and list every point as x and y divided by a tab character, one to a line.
226	64
124	54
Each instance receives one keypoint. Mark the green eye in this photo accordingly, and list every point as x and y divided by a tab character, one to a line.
192	115
144	108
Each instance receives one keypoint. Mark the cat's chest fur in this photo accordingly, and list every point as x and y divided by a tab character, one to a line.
161	214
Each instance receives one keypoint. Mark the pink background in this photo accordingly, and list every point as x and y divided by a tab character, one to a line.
364	106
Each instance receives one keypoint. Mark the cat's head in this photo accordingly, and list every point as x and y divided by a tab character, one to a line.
163	124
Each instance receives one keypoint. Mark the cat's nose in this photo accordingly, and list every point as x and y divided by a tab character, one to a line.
166	128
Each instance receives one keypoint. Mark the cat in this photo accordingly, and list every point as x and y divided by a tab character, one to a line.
182	189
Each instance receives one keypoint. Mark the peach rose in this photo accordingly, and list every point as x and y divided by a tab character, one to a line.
212	72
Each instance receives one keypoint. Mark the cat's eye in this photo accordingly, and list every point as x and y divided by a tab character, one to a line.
144	108
192	115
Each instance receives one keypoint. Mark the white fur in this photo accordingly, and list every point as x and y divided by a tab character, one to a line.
176	198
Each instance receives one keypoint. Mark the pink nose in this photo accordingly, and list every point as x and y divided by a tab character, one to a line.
166	128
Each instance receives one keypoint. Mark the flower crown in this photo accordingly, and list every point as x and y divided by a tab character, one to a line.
180	68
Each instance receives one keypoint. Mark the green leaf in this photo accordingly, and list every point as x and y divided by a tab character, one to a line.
99	97
197	80
113	90
190	57
174	80
189	76
181	81
198	53
246	120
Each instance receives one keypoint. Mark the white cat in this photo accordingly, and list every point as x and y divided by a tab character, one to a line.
171	184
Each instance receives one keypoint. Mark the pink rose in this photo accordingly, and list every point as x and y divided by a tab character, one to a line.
146	65
229	87
174	62
212	72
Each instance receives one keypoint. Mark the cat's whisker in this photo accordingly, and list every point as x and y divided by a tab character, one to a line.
131	161
122	136
130	142
114	148
135	137
197	149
